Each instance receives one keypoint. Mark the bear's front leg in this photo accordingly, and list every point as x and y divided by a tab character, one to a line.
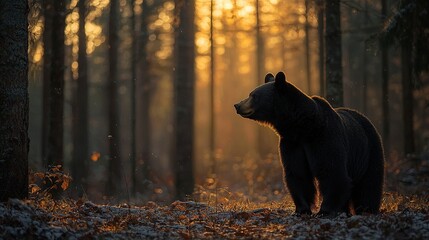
299	179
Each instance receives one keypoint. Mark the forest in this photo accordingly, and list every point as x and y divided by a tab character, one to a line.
117	118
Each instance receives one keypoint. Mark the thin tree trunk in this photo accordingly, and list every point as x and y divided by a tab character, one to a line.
114	169
14	139
321	37
334	73
184	99
407	95
263	134
212	101
145	86
307	47
80	111
133	162
365	65
385	78
56	85
47	55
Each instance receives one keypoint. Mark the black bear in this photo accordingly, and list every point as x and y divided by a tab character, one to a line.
339	147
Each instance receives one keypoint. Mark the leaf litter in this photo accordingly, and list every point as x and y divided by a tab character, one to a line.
407	218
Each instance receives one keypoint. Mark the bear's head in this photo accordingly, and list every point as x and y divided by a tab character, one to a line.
282	106
260	105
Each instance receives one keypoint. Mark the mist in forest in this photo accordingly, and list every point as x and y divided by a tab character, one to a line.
149	87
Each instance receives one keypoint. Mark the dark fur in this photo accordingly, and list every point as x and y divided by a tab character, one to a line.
338	147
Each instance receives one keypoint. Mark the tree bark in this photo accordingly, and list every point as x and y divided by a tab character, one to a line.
263	134
144	88
307	47
407	94
80	111
133	162
365	65
385	78
56	87
183	149
48	9
212	124
334	73
114	165
321	37
14	139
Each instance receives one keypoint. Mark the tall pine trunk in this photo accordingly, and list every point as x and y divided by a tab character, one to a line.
48	9
80	111
184	85
133	162
307	47
334	75
365	64
114	166
56	87
385	79
212	124
321	38
407	95
144	88
263	134
14	142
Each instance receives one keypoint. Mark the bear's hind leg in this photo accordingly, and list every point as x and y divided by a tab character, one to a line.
336	195
367	193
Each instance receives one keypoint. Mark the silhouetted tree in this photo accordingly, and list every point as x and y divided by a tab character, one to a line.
385	78
263	134
115	167
365	63
56	86
334	75
321	38
184	85
307	46
409	27
14	142
48	12
80	110
212	123
133	162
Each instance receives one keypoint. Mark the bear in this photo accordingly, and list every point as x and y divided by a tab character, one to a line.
336	150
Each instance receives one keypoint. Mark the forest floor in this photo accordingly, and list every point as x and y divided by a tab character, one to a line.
265	213
401	218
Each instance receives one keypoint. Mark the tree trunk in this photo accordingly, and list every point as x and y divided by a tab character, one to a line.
407	95
385	79
263	134
365	65
184	82
114	166
14	140
56	85
334	73
321	37
212	123
47	55
80	111
133	162
307	48
144	95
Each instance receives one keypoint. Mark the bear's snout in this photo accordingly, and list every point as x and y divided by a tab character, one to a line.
237	107
244	108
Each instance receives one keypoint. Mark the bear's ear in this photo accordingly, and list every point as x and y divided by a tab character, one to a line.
269	78
280	81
